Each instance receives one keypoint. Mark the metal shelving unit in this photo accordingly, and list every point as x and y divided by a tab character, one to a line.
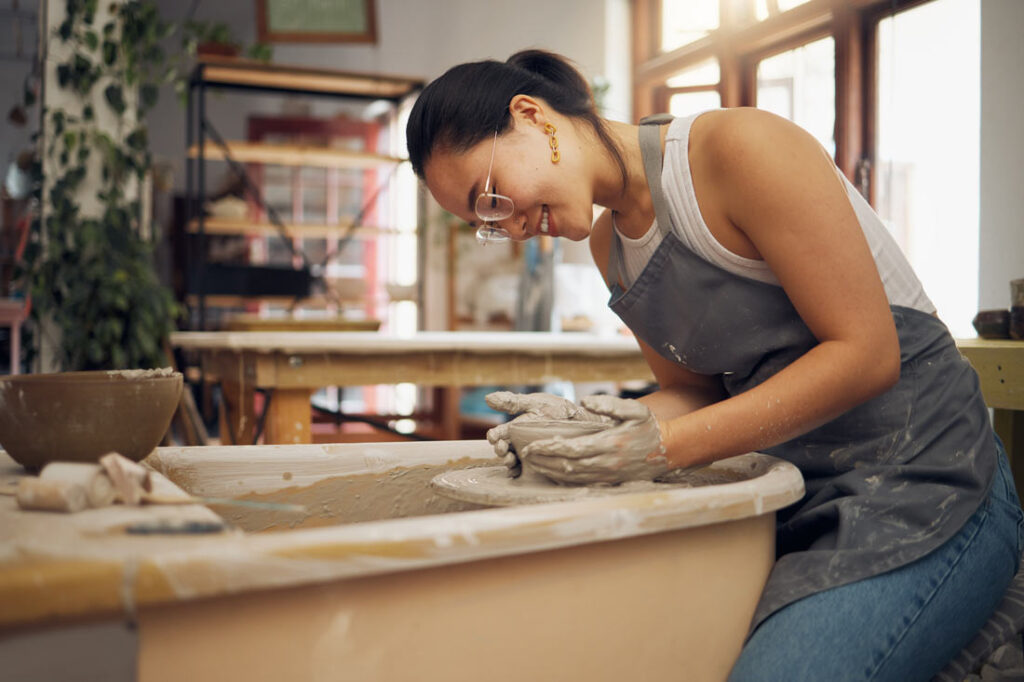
205	145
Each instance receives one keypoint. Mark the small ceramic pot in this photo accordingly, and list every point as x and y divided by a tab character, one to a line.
992	324
1017	292
1017	322
523	433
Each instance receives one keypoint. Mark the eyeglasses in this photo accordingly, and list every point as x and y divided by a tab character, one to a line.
490	208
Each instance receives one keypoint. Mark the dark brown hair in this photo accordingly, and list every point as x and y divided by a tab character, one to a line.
470	101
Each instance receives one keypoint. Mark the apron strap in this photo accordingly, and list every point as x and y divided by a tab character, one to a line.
650	149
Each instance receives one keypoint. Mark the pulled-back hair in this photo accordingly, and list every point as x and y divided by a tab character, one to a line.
471	101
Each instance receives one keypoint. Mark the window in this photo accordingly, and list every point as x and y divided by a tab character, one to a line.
927	148
694	89
890	87
767	8
800	85
685	22
686	103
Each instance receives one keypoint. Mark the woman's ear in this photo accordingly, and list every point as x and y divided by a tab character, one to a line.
527	110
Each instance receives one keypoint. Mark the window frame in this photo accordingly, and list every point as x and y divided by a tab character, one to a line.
741	42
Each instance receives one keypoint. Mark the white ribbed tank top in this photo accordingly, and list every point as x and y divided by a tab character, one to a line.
901	284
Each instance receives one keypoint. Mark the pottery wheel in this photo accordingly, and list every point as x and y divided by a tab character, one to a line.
492	486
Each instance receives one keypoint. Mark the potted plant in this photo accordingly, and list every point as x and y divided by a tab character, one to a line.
203	38
88	266
88	263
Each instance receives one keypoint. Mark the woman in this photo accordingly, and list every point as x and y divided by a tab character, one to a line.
777	315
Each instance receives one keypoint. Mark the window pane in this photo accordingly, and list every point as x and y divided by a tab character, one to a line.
762	7
801	85
928	144
705	73
684	21
686	103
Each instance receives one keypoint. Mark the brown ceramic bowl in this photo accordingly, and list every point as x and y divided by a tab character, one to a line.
81	416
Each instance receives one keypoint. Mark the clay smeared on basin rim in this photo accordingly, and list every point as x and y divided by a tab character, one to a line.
492	486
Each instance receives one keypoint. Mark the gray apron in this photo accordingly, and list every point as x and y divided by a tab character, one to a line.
888	481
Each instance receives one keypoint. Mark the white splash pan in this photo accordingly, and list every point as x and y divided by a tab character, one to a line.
405	588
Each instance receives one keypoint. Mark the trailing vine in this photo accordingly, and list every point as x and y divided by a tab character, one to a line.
91	273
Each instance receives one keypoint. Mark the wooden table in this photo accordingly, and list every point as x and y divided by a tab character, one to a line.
1000	364
295	364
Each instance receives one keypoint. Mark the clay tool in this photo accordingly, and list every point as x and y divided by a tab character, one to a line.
175	528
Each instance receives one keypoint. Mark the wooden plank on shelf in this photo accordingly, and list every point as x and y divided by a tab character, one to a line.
248	323
234	71
236	301
294	155
297	230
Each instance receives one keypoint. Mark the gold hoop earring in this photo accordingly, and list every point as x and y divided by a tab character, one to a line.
552	142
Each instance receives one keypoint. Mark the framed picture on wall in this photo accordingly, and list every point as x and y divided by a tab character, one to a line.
316	21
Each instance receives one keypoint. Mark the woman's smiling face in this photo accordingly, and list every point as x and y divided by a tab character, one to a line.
522	171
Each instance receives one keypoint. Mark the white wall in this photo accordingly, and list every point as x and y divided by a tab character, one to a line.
1001	256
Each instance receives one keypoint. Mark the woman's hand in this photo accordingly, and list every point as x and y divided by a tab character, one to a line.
628	451
529	407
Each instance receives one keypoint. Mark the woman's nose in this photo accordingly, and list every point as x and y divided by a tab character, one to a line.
516	226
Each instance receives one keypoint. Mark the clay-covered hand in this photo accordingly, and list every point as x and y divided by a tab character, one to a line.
631	450
529	406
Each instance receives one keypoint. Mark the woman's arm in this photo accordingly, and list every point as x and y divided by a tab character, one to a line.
767	189
680	391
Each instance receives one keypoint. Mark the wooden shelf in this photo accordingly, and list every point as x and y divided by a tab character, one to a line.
300	144
294	155
247	73
235	301
241	226
256	323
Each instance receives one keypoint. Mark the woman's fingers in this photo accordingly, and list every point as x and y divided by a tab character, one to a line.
623	409
543	405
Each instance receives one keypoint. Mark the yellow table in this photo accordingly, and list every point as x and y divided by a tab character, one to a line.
295	364
1000	365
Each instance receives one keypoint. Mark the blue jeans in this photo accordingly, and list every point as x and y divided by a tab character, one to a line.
904	625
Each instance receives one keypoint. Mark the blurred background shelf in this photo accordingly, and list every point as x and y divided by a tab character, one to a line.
293	155
242	226
304	202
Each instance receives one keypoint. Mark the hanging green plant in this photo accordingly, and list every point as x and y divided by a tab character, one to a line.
92	275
